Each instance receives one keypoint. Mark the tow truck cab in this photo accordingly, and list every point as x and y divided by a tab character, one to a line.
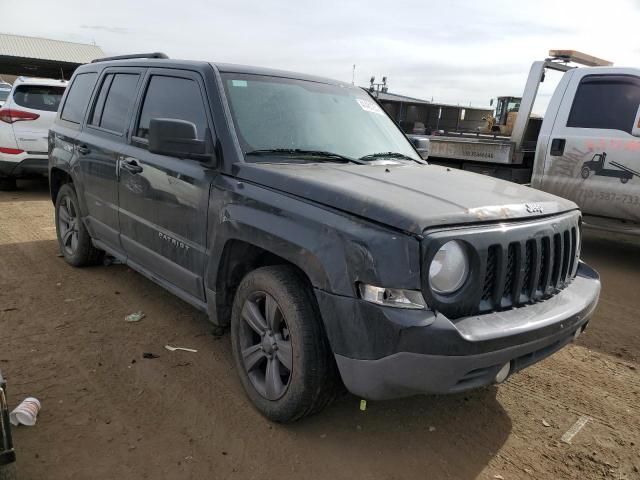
592	117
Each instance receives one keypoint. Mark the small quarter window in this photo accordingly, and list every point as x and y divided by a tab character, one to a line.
78	97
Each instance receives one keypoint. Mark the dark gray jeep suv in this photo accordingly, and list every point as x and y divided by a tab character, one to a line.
292	209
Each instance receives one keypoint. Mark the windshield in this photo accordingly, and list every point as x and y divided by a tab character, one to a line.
279	113
4	93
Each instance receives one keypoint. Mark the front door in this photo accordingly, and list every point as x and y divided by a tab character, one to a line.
592	158
163	200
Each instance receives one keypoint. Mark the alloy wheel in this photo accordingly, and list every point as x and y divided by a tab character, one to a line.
68	225
265	346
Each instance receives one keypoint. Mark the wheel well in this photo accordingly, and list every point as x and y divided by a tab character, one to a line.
238	259
57	178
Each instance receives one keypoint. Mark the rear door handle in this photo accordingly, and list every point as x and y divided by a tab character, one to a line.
83	149
131	166
557	147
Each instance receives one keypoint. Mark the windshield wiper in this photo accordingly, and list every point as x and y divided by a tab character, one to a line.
322	155
373	156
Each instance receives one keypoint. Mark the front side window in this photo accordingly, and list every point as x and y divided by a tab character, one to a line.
172	97
606	101
78	97
114	102
272	113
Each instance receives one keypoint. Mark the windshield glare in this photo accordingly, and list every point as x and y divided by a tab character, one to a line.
278	113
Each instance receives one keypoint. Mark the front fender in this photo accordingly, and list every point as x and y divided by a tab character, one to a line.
335	250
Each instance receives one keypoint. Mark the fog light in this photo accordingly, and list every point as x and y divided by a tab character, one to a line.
392	297
503	373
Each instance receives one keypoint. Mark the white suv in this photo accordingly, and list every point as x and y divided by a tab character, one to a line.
25	118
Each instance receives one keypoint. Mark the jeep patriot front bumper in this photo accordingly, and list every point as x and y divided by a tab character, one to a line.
384	352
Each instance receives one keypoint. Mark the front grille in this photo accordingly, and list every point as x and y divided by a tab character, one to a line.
512	264
513	276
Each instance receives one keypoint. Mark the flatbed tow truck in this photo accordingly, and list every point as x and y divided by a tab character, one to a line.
590	126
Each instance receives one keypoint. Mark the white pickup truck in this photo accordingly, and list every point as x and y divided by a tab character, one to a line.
586	149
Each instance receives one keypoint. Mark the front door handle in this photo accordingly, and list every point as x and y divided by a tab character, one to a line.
131	166
557	147
83	149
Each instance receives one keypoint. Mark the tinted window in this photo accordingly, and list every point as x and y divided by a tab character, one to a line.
38	97
171	97
78	97
114	102
605	101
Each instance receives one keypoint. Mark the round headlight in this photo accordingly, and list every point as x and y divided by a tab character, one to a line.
449	268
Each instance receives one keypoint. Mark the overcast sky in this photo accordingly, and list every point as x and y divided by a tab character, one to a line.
461	52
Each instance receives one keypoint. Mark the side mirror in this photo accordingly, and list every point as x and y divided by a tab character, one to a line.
421	145
635	130
175	138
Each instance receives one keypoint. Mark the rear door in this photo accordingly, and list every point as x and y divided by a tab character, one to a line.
101	144
41	101
164	200
591	157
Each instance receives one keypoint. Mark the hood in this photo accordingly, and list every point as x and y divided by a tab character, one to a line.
410	197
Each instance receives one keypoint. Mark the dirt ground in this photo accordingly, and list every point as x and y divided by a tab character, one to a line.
109	413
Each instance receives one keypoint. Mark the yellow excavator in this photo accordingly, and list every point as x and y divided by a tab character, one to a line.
505	115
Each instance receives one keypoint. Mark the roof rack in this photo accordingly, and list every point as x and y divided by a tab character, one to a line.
132	56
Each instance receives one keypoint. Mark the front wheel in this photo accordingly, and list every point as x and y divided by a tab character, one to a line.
624	179
585	172
280	349
73	238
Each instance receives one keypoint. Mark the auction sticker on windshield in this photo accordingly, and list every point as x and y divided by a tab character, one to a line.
369	106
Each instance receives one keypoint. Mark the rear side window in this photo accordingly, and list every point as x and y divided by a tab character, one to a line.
4	93
38	97
115	100
606	101
172	97
78	97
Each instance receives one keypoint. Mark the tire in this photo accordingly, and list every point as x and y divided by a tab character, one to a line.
8	184
624	179
291	347
585	172
8	472
73	238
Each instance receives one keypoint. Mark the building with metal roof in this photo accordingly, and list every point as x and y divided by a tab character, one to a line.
43	57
